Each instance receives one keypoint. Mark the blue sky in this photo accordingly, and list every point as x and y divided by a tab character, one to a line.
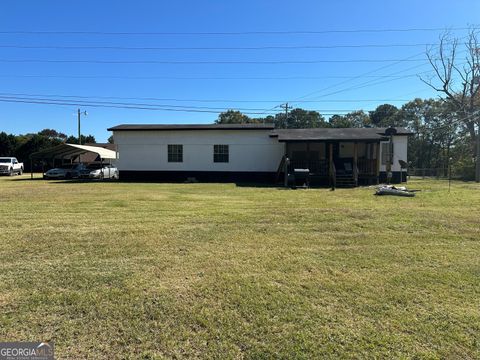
293	67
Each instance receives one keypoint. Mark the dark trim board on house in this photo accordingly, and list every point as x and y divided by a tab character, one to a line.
201	176
234	177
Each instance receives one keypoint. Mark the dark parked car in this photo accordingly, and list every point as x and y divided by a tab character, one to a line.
65	172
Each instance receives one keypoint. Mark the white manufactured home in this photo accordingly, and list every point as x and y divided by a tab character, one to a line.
256	152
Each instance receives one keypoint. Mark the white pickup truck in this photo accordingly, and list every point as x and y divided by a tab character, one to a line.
10	166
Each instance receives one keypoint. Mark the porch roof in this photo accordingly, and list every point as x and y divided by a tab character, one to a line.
335	134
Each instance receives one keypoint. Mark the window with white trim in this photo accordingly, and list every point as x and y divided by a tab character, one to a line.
175	153
387	153
220	153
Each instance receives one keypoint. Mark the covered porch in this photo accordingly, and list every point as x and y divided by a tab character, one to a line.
345	157
337	163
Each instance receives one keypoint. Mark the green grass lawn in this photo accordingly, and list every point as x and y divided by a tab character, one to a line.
123	270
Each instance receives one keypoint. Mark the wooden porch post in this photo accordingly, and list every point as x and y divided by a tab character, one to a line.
308	155
355	163
286	164
376	148
330	166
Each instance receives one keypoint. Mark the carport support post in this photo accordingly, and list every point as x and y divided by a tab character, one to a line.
79	136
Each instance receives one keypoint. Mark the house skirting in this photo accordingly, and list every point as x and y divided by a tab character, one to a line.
202	176
237	177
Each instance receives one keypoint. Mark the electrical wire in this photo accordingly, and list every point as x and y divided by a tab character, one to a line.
234	62
143	106
234	33
191	78
181	48
191	100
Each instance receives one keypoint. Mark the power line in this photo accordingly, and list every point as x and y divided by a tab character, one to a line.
163	48
192	78
197	100
367	73
356	77
235	62
368	83
93	102
365	84
77	102
67	103
268	32
60	103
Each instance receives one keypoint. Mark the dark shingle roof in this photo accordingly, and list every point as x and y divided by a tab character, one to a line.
325	134
164	127
319	134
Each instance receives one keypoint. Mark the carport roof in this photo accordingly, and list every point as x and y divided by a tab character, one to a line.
64	151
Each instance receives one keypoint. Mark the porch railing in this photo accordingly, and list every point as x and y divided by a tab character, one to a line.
321	167
316	167
367	166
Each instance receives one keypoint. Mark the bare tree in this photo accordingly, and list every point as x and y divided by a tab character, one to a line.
457	76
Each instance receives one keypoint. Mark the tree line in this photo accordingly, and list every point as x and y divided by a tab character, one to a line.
443	128
21	146
440	135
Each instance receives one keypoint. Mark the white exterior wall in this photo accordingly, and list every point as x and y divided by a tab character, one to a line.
249	150
400	144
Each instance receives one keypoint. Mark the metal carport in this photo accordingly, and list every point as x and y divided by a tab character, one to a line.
69	151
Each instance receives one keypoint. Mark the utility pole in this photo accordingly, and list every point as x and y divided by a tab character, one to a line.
286	107
80	113
477	165
476	80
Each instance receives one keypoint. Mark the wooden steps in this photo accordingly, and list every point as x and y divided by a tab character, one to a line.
345	181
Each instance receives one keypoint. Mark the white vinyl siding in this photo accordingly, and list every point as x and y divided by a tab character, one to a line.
248	150
400	144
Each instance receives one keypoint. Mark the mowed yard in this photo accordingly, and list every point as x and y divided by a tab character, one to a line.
123	270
